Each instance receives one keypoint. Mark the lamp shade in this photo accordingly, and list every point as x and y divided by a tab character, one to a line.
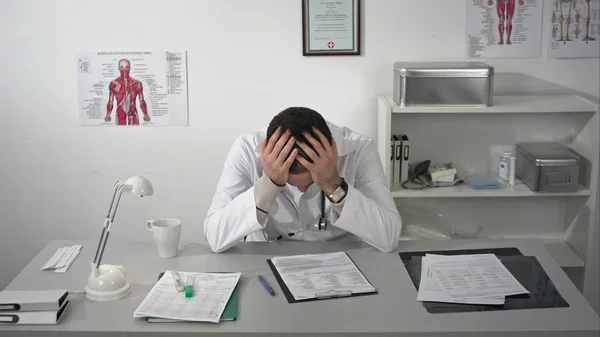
138	185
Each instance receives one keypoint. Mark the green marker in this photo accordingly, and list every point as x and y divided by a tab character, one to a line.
189	287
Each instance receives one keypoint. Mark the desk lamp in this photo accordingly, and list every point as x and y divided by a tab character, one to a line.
108	282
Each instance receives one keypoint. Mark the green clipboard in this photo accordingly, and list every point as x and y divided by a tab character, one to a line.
229	314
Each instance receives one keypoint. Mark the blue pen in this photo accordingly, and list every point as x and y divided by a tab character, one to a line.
267	286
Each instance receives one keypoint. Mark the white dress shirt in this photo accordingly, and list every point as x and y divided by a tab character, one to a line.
368	211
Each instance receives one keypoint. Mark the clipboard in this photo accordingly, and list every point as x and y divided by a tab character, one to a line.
526	269
319	296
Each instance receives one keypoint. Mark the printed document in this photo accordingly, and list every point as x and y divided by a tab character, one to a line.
211	294
431	289
321	275
471	279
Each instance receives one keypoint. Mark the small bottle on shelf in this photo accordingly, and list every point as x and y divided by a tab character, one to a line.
512	169
504	166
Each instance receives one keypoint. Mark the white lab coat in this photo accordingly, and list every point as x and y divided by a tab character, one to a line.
369	212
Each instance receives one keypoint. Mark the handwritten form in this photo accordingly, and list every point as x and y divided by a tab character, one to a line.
468	279
211	294
321	275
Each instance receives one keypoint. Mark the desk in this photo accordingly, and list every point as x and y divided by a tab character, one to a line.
394	312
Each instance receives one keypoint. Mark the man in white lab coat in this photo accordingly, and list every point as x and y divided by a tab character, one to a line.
302	179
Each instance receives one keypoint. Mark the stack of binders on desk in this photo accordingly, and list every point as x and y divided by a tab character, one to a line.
466	279
32	306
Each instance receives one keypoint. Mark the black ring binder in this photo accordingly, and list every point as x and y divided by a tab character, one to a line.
14	319
10	307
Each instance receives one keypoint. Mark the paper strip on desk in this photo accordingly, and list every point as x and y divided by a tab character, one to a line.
211	294
62	259
54	259
69	260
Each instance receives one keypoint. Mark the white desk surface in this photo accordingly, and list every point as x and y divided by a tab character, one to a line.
393	312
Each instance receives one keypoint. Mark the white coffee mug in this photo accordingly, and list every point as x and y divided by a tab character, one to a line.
167	233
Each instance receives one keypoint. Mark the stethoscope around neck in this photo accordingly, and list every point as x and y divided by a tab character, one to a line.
319	226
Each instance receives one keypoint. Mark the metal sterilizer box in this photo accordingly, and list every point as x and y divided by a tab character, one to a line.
547	167
443	83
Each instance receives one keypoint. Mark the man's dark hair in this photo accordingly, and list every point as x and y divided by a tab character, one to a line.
299	120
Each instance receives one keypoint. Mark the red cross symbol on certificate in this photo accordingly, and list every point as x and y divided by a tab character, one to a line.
330	44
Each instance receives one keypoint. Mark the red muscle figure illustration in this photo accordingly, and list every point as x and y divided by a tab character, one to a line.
505	10
125	89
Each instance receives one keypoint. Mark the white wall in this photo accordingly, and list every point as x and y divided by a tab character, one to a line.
245	64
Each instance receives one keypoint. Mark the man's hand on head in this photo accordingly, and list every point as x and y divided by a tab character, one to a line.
323	169
274	154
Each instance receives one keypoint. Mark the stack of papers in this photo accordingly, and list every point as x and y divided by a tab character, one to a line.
466	279
212	292
62	259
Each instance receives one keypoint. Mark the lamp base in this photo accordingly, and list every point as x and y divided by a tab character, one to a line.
107	283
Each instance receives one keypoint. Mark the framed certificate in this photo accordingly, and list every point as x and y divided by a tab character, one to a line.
330	27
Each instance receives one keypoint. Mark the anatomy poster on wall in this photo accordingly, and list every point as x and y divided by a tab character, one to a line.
503	28
575	28
132	88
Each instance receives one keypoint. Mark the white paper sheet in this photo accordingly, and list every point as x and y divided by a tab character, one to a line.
475	279
321	275
431	290
211	294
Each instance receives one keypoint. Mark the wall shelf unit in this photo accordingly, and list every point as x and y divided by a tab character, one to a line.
507	104
464	191
472	138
